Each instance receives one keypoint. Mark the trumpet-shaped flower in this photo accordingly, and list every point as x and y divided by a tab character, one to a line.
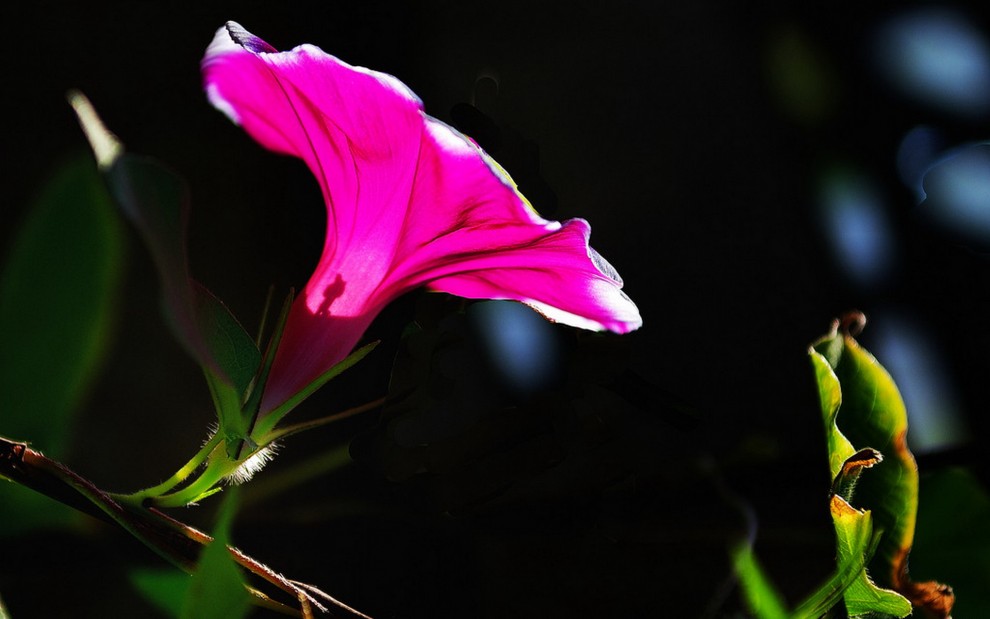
410	202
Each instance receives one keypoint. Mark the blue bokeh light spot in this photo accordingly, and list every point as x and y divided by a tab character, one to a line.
521	344
937	57
857	227
905	348
919	148
956	191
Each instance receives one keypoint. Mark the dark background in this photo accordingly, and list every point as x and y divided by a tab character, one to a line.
676	129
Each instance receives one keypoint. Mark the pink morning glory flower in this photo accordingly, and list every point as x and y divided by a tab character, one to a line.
410	202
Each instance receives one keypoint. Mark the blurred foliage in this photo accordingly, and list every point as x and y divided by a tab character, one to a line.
217	588
58	293
165	589
952	540
761	597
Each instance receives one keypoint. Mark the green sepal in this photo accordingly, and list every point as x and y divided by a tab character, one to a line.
206	495
253	403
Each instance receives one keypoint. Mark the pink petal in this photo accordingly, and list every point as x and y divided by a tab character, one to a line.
410	202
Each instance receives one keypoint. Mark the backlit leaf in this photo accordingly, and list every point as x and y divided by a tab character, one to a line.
858	396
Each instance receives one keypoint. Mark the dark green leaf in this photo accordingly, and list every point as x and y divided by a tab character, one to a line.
57	294
163	588
156	202
57	299
953	539
233	350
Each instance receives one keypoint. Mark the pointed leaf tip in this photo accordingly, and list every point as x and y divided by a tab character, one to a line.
105	144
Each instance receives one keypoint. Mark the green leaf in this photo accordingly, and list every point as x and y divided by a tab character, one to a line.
233	350
217	589
57	304
854	531
858	395
873	415
834	589
156	201
762	599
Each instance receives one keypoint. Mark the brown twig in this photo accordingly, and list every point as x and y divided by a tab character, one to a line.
175	541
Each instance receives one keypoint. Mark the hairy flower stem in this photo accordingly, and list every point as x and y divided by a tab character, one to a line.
180	476
220	467
207	483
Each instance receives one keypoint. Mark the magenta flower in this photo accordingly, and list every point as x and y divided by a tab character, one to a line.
410	202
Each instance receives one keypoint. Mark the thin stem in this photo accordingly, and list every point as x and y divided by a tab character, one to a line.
266	424
221	467
322	421
180	476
